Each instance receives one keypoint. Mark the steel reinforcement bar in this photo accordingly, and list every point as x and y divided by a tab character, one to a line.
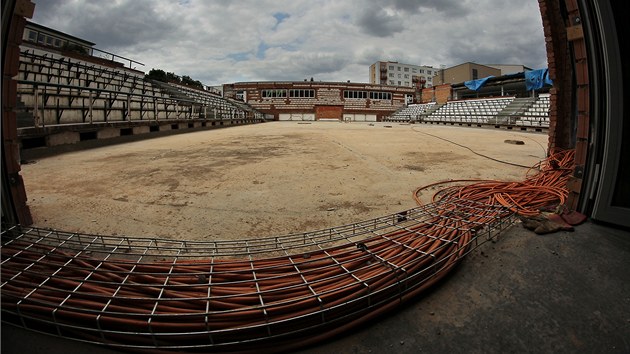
271	294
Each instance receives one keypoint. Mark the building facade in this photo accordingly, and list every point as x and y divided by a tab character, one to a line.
310	100
397	74
48	37
464	72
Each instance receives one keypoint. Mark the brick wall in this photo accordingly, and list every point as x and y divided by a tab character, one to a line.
443	93
438	93
10	144
569	125
326	94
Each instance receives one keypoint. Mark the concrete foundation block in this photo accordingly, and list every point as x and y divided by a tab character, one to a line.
107	133
63	138
143	129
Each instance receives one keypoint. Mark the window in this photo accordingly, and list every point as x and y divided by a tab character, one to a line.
391	67
398	68
429	78
57	42
391	74
40	38
406	83
421	71
475	74
354	94
414	70
49	40
399	83
32	35
380	95
406	76
406	70
391	82
399	75
429	72
273	93
302	93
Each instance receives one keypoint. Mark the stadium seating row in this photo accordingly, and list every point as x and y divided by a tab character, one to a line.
57	90
495	111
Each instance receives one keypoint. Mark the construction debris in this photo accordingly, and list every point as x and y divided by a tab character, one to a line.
549	222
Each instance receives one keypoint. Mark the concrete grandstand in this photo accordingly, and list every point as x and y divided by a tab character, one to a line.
67	98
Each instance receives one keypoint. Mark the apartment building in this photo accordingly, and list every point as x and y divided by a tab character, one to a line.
398	74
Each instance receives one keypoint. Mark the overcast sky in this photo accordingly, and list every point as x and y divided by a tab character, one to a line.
219	42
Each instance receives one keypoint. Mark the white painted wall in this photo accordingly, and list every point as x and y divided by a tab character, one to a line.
296	116
359	117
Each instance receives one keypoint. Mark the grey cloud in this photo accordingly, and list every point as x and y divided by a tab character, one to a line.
388	17
450	7
196	39
406	5
323	63
109	24
369	56
377	22
494	54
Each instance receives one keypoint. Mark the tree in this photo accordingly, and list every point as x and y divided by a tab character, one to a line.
187	80
161	75
72	47
156	74
171	77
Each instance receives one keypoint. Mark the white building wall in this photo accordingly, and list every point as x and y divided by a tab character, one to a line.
399	74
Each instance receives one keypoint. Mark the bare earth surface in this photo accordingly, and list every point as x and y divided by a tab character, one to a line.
262	180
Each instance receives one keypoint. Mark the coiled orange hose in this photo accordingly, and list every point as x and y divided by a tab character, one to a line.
547	187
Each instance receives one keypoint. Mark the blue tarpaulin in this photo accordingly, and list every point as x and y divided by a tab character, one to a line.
537	79
476	84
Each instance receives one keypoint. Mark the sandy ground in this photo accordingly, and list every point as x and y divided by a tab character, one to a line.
265	179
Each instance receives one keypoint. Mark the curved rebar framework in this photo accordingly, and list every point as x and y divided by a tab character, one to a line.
271	294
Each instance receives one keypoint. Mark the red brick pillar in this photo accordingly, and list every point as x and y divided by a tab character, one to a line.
559	60
10	144
566	49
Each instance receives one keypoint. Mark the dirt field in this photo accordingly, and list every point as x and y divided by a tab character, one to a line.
262	180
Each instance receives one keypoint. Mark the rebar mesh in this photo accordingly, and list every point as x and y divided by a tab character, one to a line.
270	293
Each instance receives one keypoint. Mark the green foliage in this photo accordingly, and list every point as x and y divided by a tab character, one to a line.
171	77
72	47
161	75
186	80
156	74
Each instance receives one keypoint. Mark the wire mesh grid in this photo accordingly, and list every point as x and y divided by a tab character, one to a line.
274	292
